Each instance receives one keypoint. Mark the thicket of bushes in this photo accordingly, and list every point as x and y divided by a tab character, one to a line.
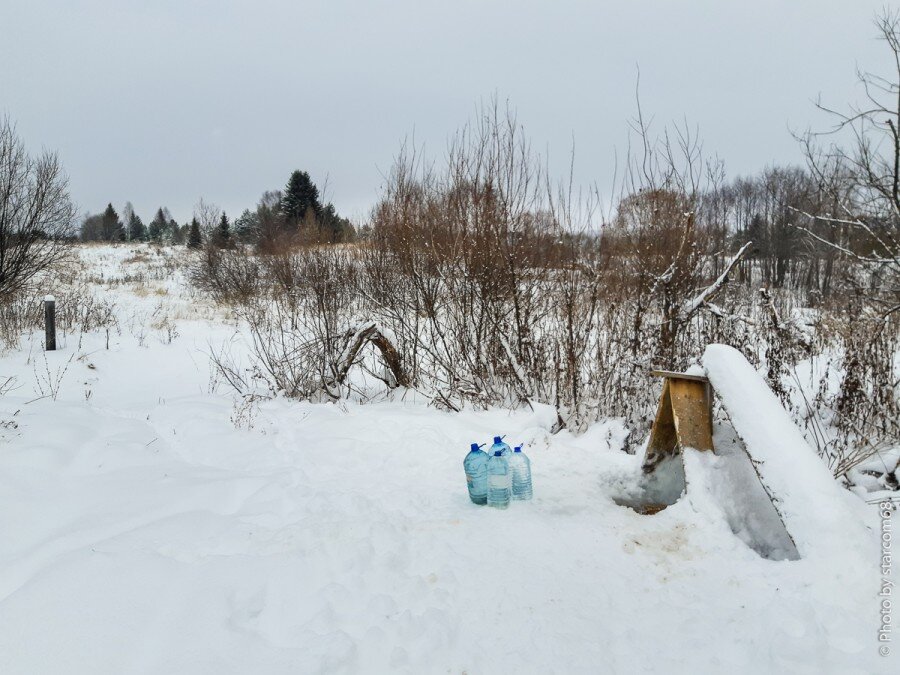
488	287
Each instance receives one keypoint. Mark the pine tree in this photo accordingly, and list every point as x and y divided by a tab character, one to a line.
178	233
335	228
300	196
136	229
112	228
223	232
158	226
194	239
246	227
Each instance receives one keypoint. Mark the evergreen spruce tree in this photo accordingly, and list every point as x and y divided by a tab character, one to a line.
246	227
300	196
136	230
335	228
194	240
112	228
158	226
223	232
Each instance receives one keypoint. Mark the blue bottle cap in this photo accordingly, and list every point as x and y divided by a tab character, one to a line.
498	453
518	448
474	447
497	439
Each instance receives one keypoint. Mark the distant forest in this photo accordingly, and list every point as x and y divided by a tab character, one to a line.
295	214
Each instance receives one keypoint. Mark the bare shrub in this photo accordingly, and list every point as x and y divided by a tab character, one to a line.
228	275
301	317
478	283
35	214
455	263
857	219
48	381
481	285
861	408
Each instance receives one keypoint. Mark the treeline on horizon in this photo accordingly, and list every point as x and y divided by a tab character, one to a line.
770	209
280	218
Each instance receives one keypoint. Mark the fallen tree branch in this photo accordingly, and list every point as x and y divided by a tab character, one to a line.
354	340
690	307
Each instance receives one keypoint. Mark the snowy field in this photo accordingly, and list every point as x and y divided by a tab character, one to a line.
152	523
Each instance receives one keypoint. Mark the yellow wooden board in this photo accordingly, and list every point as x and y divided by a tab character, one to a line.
683	419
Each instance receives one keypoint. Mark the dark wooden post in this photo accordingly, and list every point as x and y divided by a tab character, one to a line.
50	323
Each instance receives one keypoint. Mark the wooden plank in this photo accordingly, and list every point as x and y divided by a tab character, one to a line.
683	420
678	376
690	410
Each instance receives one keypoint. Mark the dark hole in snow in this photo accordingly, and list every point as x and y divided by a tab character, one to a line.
655	491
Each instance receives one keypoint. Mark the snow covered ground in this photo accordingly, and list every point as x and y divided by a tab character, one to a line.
151	523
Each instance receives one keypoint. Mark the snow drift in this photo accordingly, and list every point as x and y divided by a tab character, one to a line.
821	517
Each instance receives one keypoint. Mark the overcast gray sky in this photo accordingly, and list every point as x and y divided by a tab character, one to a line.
167	101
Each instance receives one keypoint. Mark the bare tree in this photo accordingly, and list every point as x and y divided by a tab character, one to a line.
35	212
208	215
861	177
127	219
858	175
668	247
